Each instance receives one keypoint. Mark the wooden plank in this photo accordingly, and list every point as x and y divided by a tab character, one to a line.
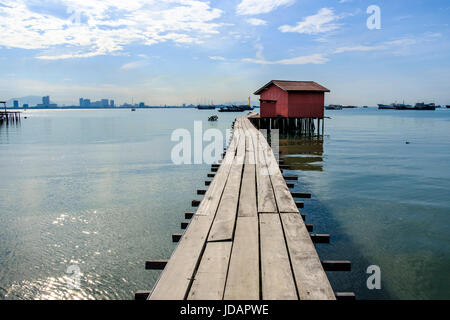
223	225
311	279
283	196
247	201
266	198
176	277
277	278
243	273
209	282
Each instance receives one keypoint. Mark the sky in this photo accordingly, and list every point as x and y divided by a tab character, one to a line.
193	51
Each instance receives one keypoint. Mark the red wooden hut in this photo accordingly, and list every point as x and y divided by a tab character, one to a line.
292	99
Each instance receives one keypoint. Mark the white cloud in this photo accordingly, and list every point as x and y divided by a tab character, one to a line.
218	58
100	27
253	7
134	65
360	48
257	22
311	59
323	21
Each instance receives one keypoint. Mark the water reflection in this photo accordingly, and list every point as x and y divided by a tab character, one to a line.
302	153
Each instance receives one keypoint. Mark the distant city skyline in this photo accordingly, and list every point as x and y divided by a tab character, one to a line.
175	52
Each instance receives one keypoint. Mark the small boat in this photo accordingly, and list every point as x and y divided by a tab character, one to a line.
133	109
448	107
334	107
213	118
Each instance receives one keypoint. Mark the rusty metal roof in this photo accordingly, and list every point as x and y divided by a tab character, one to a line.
285	85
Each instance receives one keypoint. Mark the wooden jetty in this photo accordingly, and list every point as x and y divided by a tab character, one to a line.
247	240
7	116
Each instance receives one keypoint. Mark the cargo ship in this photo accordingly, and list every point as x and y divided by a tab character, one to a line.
402	106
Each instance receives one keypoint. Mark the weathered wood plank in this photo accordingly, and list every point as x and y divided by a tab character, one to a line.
266	197
243	273
247	201
223	225
283	196
209	282
277	278
312	281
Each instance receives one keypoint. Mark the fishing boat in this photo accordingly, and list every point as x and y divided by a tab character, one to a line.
133	109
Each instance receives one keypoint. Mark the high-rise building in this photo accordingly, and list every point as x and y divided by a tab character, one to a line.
16	103
46	103
105	103
111	103
46	100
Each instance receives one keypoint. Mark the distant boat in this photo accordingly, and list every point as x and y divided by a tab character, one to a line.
365	107
213	118
424	106
206	107
233	109
133	109
334	107
402	106
448	107
385	106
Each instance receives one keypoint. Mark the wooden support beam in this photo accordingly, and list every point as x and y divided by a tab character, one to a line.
303	216
189	215
211	175
195	203
290	178
184	225
320	238
301	195
176	237
332	265
214	165
201	192
284	167
345	296
300	204
141	295
290	185
214	169
207	183
309	227
155	264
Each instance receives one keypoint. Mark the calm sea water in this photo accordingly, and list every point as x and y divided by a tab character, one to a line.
97	190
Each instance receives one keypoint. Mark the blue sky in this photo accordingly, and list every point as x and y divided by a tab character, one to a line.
193	51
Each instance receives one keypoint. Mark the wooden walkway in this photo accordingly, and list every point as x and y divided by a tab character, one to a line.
247	240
